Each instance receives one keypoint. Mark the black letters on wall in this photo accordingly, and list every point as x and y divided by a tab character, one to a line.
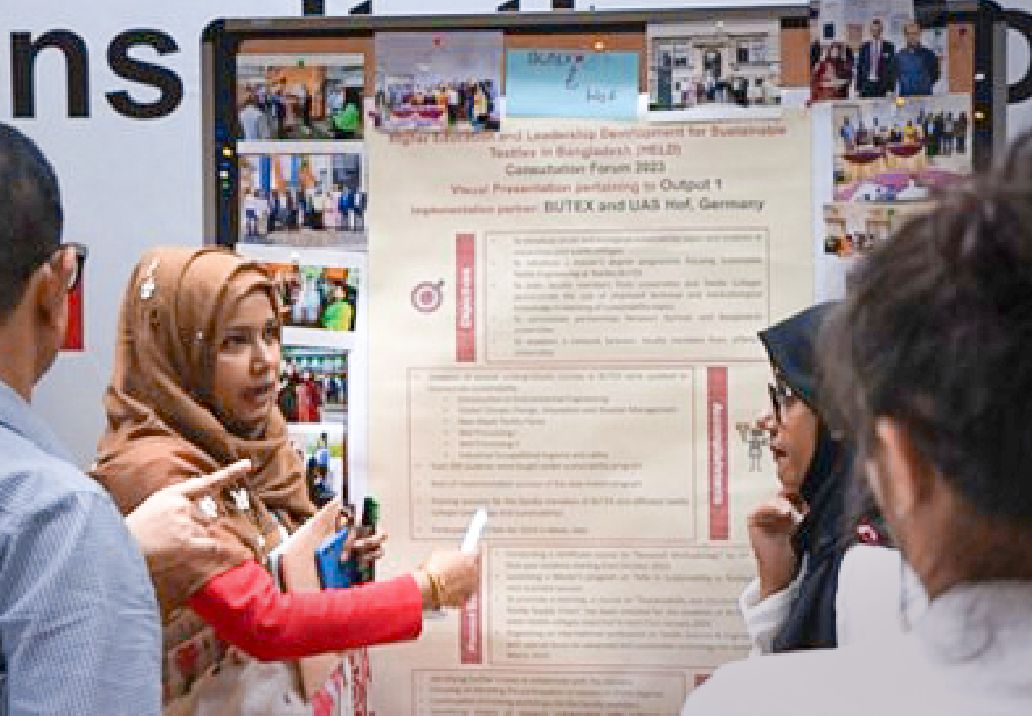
165	80
25	50
23	64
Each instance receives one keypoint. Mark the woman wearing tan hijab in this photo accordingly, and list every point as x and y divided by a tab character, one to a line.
194	389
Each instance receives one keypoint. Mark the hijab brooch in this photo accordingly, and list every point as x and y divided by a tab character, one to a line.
148	286
241	499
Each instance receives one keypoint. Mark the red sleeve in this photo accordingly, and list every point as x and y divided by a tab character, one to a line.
247	609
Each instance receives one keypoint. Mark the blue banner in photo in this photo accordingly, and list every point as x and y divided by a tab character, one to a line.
571	83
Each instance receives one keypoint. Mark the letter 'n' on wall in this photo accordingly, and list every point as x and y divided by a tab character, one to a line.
24	51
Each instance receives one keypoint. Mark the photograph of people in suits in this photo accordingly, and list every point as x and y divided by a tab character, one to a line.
874	63
303	200
882	50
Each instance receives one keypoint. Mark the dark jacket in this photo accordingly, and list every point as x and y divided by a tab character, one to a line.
917	70
882	64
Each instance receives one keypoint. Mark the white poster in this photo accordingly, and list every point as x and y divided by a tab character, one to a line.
571	343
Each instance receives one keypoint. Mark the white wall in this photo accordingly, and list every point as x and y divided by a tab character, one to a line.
126	184
131	184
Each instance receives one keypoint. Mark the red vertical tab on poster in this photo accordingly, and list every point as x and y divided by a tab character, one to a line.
470	642
73	339
465	299
716	420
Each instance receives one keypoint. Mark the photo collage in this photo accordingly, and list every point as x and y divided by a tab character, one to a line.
320	297
900	132
303	203
299	128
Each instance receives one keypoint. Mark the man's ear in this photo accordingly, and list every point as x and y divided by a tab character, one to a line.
50	288
903	478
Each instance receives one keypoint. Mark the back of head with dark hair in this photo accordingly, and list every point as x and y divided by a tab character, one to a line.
30	214
936	332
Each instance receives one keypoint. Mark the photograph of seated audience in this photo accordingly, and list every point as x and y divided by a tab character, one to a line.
889	150
460	105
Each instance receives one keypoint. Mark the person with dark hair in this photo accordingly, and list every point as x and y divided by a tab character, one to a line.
927	366
915	68
874	64
194	388
811	548
288	400
359	201
960	132
339	314
831	76
79	631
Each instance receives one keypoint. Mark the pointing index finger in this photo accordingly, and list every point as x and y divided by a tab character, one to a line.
220	478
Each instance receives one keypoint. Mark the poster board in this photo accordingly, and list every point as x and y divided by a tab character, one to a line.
561	328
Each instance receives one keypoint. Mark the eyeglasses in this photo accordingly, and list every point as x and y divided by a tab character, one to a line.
81	252
781	397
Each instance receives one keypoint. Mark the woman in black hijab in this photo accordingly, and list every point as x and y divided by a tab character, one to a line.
801	536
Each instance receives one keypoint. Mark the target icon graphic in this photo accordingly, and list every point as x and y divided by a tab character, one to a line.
427	296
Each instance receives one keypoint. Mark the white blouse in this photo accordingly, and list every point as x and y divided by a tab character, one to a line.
970	654
877	596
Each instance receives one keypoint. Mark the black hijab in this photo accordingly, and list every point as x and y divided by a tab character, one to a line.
820	537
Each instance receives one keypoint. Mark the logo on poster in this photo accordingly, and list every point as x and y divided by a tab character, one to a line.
553	59
427	296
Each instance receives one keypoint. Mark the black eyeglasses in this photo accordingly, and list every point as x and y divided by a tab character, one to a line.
781	397
81	252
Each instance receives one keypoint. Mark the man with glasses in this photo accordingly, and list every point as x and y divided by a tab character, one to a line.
79	630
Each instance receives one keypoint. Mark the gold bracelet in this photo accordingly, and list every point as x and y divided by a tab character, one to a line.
435	590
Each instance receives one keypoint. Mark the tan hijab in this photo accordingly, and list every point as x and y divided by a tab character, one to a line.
161	428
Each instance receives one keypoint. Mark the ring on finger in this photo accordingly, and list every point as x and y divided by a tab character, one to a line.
208	507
